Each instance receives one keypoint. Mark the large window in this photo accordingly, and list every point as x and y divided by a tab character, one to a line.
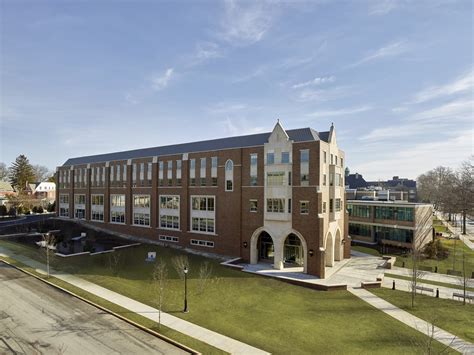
141	210
79	199
394	234
117	208
304	207
97	207
202	173
203	214
275	205
276	178
169	212
160	173
64	198
358	210
192	172
360	229
169	172
214	171
394	213
229	175
178	172
270	158
304	167
338	204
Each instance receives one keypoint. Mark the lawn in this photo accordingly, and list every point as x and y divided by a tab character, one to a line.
449	315
435	283
456	249
266	313
365	250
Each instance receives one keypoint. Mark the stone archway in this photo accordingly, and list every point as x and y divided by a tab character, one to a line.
338	251
261	244
329	250
295	250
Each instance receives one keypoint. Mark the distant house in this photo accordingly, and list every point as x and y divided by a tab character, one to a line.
5	190
42	190
404	185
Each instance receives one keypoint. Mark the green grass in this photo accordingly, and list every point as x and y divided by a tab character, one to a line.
263	312
435	283
449	315
193	343
366	250
455	256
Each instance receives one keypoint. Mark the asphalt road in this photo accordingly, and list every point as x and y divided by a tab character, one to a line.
25	219
36	318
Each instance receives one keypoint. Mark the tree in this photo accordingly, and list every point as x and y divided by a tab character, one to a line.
463	191
114	262
20	173
434	186
205	273
160	275
42	173
49	240
3	172
3	210
179	263
464	279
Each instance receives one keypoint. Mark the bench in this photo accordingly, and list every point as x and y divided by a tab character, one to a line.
368	284
454	273
424	288
469	297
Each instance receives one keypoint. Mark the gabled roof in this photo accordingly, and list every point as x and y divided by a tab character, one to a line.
355	181
297	135
6	187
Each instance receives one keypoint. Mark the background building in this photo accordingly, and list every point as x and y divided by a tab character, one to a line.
397	224
273	197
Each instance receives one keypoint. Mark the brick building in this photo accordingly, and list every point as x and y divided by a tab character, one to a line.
273	197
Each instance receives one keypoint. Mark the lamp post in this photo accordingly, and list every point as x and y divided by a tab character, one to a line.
185	290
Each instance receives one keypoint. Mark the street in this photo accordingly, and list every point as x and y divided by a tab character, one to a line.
37	318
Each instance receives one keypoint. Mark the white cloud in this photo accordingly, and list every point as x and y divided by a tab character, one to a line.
390	50
160	81
321	95
315	81
246	22
226	108
412	158
340	112
453	111
240	126
204	52
131	98
465	83
382	7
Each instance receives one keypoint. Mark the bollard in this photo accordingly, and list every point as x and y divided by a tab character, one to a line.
403	264
437	293
436	269
393	285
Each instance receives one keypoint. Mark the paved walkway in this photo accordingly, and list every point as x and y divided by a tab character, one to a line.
422	326
458	231
205	335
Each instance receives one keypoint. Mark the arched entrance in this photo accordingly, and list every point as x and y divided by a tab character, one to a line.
338	255
266	248
293	252
329	253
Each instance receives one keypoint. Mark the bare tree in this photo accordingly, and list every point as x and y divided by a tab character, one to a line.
41	173
427	344
114	262
205	273
416	274
180	262
464	190
48	243
3	172
464	279
160	276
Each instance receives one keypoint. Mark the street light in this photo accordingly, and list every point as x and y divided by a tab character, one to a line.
185	290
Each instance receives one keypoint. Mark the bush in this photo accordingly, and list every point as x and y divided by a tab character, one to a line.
27	211
51	207
3	210
435	250
12	211
19	210
35	209
40	209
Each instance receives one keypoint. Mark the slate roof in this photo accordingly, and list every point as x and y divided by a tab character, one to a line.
297	135
355	181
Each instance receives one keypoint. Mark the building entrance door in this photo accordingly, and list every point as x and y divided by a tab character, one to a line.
266	249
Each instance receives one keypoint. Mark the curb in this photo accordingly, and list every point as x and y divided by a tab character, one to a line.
139	326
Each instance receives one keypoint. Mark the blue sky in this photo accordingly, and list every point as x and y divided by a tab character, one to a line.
89	77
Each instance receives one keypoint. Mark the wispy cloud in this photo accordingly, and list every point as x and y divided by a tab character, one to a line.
390	50
322	95
382	7
340	112
315	81
240	126
161	80
246	22
462	84
226	108
204	52
454	111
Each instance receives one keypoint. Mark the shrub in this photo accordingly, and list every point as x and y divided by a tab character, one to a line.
19	210
3	210
12	211
27	211
40	209
51	207
35	209
435	250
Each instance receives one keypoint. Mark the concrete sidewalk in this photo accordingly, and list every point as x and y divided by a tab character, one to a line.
210	337
431	276
457	231
416	323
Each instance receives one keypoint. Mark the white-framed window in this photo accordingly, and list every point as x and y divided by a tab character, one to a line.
160	173
118	172
304	207
149	172
304	167
253	205
169	172
134	174
64	211
112	175
214	171
178	172
203	214
229	175
169	238
202	243
124	178
270	158
141	210
285	157
79	206
117	208
338	204
169	212
276	205
97	207
192	172
64	199
142	171
202	172
253	169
